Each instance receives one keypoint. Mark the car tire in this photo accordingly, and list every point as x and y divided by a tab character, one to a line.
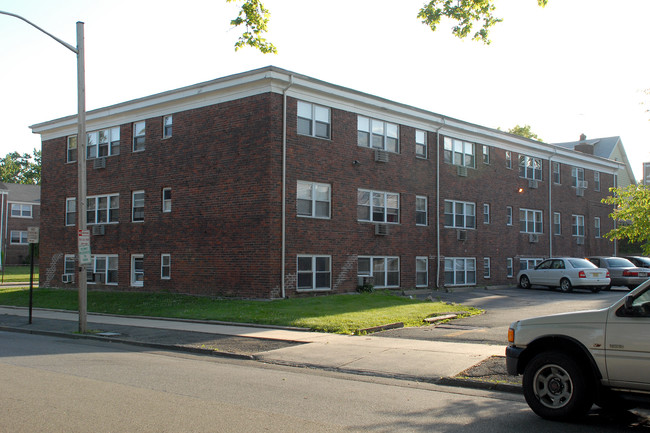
524	282
565	285
556	387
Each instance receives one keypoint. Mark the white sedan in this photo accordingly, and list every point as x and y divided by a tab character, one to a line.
565	273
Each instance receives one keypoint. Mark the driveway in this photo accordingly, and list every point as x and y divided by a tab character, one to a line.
502	307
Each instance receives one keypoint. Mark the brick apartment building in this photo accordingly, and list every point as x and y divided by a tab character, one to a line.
19	210
269	184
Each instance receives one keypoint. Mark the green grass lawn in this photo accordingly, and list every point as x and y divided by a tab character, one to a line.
344	314
18	274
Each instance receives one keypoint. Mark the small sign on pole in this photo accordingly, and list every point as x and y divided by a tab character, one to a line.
84	247
32	235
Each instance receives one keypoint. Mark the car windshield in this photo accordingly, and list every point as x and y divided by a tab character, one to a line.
620	263
581	263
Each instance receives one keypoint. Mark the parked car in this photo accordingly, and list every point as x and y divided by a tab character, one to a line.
565	273
640	261
622	272
570	361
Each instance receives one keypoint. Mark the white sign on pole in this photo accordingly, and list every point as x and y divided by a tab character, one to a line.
84	247
32	235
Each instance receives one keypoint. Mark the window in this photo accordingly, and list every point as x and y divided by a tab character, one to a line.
486	213
377	206
509	268
529	263
486	154
102	269
596	181
578	175
508	215
420	143
314	273
460	214
72	149
139	129
530	221
384	270
377	134
421	210
168	122
313	200
167	200
137	205
486	268
18	237
137	270
557	223
69	264
458	152
556	172
460	271
508	159
70	211
530	168
102	209
578	225
165	266
597	227
105	142
313	120
421	271
21	210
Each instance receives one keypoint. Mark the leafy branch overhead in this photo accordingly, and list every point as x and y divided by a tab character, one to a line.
465	13
632	211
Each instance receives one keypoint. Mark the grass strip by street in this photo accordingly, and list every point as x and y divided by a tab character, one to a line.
343	314
18	274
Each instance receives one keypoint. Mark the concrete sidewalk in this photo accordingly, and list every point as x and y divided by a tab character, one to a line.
431	361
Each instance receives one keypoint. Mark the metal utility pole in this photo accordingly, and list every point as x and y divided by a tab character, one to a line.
82	225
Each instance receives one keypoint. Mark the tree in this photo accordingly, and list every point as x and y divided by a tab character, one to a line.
17	168
524	131
632	212
466	13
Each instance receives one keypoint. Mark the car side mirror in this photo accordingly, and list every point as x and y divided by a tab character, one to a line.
629	300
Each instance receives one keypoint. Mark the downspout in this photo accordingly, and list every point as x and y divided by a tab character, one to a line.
438	203
284	183
551	221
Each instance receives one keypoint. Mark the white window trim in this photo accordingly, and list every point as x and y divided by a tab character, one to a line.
528	167
486	154
510	267
134	282
385	135
314	273
108	208
21	210
67	211
534	212
135	137
557	173
133	220
575	226
423	144
465	260
385	277
314	201
425	211
558	225
465	214
313	121
426	271
163	201
487	272
93	267
486	213
165	136
451	143
67	259
597	233
162	266
371	206
68	149
109	132
509	216
21	235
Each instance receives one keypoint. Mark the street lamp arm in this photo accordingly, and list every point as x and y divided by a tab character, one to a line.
65	44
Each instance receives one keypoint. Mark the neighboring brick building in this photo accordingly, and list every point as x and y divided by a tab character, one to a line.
186	187
19	210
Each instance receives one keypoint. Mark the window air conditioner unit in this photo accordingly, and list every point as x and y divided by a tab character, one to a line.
533	238
461	171
99	229
99	163
580	240
363	280
580	192
381	229
461	235
533	183
583	184
67	278
381	155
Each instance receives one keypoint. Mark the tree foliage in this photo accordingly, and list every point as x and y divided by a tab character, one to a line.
255	17
17	168
632	213
524	131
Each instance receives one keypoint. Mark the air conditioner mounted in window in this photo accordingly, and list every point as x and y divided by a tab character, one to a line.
99	230
461	171
382	229
67	278
461	235
381	155
363	280
580	240
580	192
533	183
99	163
583	184
533	238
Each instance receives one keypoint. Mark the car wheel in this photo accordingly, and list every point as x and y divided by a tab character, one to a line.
565	285
524	282
608	287
556	388
596	289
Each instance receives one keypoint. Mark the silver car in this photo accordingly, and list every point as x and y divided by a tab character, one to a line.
565	273
622	271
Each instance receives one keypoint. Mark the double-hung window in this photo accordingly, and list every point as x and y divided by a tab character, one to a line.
100	209
556	172
105	142
102	269
460	214
420	210
383	270
486	213
314	120
508	159
70	211
72	149
377	206
420	143
139	135
486	268
167	200
168	123
165	266
530	221
596	181
137	206
578	225
459	152
460	271
18	237
530	168
421	271
69	264
377	134
21	210
313	199
578	177
137	270
314	272
557	223
486	154
510	269
508	215
597	227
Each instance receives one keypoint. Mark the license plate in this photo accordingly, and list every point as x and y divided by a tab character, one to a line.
596	275
643	274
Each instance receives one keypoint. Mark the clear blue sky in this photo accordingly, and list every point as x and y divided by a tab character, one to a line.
577	66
